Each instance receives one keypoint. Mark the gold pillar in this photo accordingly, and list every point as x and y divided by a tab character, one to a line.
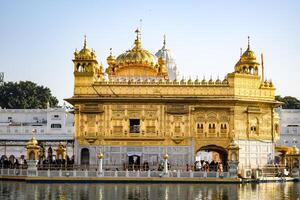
233	151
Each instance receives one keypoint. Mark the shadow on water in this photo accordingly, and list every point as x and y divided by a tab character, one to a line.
19	190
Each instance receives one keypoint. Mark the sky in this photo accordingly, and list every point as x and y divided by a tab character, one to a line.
38	38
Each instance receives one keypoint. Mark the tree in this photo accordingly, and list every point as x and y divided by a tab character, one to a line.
289	102
25	95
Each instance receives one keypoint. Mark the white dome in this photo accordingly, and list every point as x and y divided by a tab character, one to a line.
168	56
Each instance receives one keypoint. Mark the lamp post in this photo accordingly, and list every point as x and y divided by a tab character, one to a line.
100	157
166	170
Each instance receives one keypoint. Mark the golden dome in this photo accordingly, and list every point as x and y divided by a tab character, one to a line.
248	57
85	53
110	59
247	62
137	56
32	143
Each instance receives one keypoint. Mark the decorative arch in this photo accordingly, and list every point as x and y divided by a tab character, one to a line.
212	117
256	71
223	153
251	71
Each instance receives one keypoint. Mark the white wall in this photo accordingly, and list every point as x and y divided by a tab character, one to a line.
255	153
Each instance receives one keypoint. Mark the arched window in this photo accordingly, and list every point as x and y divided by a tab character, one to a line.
80	68
212	128
255	71
254	124
244	69
251	70
199	128
253	129
223	128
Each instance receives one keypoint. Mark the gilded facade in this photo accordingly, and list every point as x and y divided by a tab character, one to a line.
133	108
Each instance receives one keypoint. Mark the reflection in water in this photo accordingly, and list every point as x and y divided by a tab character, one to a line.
20	190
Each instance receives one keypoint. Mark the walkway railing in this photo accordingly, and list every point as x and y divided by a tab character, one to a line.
133	174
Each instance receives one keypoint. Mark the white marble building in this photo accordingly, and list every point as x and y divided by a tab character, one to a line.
289	127
170	61
52	125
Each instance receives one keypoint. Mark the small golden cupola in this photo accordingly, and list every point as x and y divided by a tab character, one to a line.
136	63
247	63
111	61
32	148
85	62
85	53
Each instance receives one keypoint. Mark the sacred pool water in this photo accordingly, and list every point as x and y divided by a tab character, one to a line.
10	190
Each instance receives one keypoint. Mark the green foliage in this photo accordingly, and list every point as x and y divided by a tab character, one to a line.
289	102
25	95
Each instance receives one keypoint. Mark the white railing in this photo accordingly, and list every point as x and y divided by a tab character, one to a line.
94	173
13	172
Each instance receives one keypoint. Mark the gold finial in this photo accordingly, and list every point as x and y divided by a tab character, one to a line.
262	68
164	41
137	41
241	52
138	33
110	51
84	44
33	133
141	23
248	42
100	155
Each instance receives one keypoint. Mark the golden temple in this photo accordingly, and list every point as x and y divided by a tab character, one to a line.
133	113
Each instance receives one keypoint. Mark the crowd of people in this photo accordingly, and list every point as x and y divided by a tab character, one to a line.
206	166
12	162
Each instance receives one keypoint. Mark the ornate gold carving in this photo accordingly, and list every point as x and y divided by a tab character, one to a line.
150	114
177	109
150	129
118	114
253	109
118	130
134	114
91	108
177	140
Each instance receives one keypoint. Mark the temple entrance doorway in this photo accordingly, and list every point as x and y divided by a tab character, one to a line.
134	162
85	156
31	155
211	158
